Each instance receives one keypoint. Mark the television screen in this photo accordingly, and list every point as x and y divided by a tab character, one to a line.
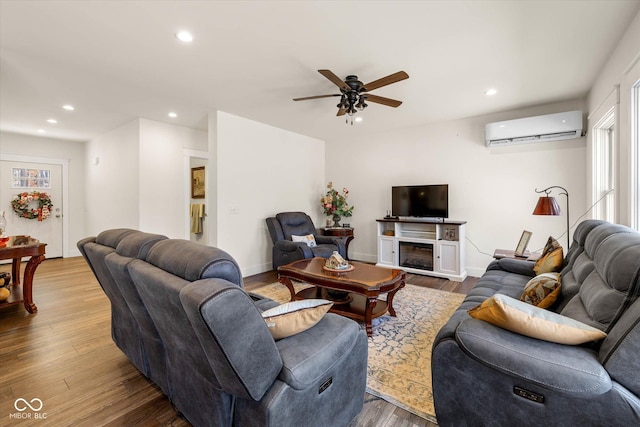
425	201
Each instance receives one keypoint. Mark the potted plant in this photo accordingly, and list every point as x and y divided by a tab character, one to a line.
335	204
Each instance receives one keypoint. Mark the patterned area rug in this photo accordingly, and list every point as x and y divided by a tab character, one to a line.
399	368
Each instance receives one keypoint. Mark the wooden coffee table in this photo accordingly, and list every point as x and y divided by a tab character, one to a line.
361	287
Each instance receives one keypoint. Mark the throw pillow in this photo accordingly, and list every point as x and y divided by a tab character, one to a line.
542	291
525	319
550	245
294	317
551	258
308	239
549	262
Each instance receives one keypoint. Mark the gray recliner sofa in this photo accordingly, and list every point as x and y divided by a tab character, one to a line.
181	315
487	376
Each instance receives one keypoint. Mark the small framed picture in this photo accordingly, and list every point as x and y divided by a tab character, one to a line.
523	243
197	183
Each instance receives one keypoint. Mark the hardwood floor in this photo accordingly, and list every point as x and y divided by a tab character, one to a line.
64	356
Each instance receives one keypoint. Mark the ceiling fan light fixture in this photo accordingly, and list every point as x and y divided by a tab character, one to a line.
354	94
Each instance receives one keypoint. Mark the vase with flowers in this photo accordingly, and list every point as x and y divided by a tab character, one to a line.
335	204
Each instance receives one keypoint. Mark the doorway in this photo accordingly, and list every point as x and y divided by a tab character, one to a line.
196	159
20	176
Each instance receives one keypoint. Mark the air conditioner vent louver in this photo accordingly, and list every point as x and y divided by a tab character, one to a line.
551	127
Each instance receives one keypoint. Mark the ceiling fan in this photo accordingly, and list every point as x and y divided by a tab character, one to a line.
354	93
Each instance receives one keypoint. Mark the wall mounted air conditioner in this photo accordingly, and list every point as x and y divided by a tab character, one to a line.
550	127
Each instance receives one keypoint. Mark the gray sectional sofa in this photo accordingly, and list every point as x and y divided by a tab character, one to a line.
484	375
180	314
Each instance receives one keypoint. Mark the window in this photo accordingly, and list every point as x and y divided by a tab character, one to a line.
635	151
604	170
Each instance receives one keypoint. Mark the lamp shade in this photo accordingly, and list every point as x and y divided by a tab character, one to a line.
547	206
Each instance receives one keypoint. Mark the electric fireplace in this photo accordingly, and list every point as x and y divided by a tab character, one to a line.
416	255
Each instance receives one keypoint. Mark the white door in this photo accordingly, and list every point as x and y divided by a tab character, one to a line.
41	178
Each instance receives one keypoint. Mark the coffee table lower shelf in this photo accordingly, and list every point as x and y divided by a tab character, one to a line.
355	308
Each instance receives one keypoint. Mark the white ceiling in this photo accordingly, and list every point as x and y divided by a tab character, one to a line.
118	60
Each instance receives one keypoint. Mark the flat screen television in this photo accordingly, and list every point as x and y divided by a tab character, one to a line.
423	201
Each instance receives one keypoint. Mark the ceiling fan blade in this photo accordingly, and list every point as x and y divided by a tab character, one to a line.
334	79
382	100
393	78
341	112
316	97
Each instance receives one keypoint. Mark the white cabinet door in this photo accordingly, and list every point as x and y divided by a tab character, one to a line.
386	252
447	257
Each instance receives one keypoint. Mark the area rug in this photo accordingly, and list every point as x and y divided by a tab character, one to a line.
399	368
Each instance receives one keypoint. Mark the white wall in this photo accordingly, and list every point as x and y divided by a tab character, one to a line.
490	188
262	170
27	145
112	180
139	178
162	176
622	68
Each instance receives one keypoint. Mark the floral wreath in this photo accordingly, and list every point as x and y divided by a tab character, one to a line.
21	202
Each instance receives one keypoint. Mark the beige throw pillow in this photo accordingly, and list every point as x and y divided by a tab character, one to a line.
308	239
542	291
294	317
525	319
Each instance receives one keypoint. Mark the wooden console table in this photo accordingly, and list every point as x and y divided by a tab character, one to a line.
508	253
345	233
15	248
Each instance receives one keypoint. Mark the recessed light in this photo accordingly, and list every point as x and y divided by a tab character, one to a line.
68	107
52	121
172	115
41	131
184	36
358	119
490	92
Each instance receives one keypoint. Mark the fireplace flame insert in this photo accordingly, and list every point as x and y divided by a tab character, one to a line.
416	255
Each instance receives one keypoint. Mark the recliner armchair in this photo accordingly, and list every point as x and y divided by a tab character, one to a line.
287	224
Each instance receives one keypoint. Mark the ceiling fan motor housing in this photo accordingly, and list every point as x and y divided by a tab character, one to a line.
354	83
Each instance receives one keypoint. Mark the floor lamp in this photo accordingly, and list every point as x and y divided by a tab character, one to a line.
549	206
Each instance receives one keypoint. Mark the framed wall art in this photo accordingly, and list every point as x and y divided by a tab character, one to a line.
197	183
523	243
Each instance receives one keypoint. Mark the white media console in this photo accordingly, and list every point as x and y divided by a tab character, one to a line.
429	247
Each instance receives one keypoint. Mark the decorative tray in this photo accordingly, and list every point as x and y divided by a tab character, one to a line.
339	270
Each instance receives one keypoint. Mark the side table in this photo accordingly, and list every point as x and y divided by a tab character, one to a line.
345	233
507	253
15	248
